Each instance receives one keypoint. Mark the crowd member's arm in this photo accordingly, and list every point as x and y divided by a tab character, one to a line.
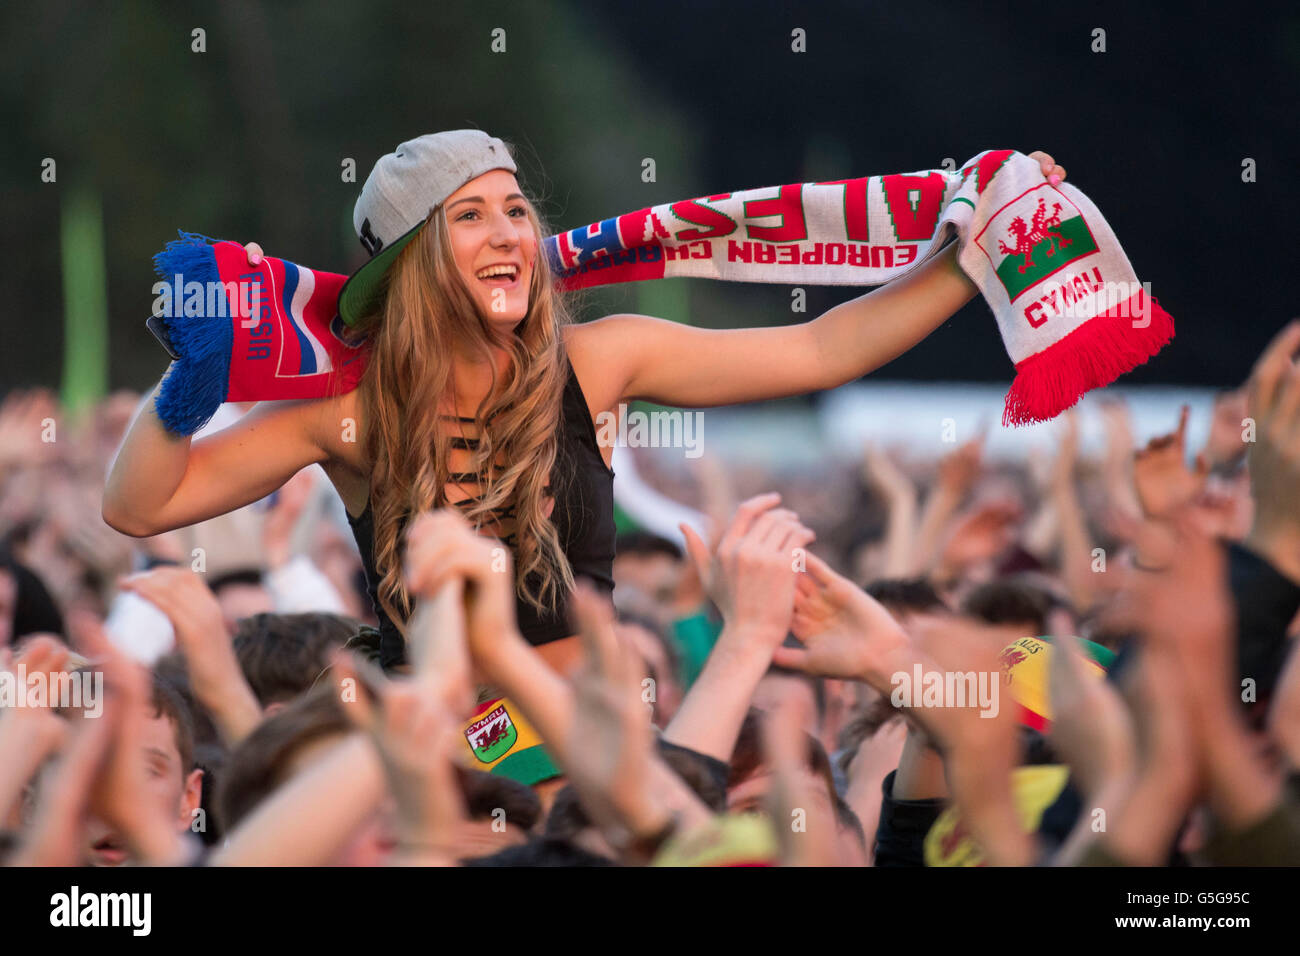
802	814
1266	581
1042	531
310	819
1117	471
1284	713
1076	546
415	735
442	546
121	794
957	473
845	632
1165	485
612	761
1145	816
295	583
54	838
981	745
877	756
1092	732
900	504
751	578
920	769
1192	617
218	682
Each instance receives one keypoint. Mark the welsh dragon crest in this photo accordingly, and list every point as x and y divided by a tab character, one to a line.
1041	228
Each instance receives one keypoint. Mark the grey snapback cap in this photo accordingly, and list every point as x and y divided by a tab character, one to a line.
398	194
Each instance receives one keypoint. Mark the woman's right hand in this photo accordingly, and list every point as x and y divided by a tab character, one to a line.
254	253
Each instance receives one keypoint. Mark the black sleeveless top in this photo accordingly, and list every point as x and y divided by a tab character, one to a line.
583	488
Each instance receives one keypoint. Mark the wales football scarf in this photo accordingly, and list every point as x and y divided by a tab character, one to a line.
1068	304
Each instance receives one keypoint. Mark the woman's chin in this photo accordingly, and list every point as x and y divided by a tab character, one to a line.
503	326
505	319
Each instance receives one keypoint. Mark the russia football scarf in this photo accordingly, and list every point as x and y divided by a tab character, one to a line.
241	333
1068	304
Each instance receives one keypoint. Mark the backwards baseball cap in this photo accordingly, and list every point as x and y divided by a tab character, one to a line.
404	185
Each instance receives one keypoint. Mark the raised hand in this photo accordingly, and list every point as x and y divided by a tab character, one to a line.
28	735
751	574
122	795
1091	728
442	547
611	749
1225	445
201	637
845	632
794	788
1273	396
1164	482
277	528
417	737
752	578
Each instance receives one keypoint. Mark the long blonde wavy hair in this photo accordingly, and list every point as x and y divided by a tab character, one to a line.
427	310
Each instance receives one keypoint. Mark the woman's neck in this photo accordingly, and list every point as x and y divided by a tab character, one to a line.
472	375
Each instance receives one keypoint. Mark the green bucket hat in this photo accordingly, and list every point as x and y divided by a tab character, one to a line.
398	195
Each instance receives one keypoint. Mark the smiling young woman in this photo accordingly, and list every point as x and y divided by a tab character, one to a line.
481	395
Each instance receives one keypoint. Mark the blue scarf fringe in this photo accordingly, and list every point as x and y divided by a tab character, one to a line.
198	381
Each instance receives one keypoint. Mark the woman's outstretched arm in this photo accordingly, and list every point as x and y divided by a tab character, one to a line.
638	357
672	364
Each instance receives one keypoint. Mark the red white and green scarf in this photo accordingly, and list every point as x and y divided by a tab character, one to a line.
1071	311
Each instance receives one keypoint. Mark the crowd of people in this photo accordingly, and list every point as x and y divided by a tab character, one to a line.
779	690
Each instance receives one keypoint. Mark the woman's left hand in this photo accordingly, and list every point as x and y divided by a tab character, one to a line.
1055	174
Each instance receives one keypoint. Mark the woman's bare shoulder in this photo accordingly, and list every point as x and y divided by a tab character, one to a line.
592	349
336	425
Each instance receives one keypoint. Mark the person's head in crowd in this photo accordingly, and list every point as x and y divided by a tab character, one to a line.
568	824
647	573
280	748
779	684
749	779
905	597
662	662
209	749
865	722
1025	603
499	813
241	593
175	783
282	655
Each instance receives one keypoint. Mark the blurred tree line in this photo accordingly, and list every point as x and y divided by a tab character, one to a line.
248	139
